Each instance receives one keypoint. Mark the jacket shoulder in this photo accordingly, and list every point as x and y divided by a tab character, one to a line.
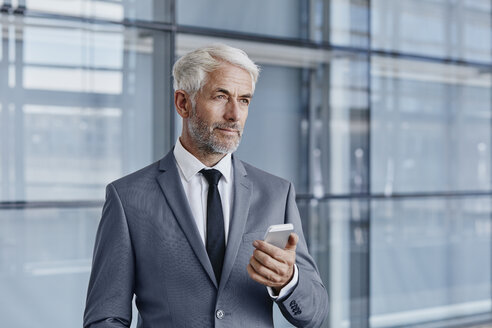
266	178
142	176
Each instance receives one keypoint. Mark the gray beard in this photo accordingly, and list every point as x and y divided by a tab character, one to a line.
206	141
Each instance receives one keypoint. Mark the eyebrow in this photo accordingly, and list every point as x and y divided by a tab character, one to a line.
248	95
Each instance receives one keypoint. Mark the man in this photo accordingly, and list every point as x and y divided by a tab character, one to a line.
184	234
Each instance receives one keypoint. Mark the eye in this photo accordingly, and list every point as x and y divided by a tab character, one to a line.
220	97
244	101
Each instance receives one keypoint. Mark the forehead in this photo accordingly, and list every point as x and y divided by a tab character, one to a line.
231	77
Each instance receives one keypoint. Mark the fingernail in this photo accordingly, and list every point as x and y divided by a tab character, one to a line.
256	243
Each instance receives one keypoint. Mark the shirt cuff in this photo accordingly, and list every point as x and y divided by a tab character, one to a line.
287	289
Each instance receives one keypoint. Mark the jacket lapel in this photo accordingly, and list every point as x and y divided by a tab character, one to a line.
242	195
172	188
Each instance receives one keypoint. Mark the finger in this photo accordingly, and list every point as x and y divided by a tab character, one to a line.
269	249
266	260
292	242
264	271
257	277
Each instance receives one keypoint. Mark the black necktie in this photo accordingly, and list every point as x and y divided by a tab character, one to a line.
215	222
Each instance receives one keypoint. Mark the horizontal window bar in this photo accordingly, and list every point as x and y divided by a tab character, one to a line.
50	204
132	23
303	43
369	196
303	197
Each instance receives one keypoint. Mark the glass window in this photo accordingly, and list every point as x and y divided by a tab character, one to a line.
280	18
338	239
348	22
430	259
84	99
341	116
116	10
78	107
430	127
45	261
456	29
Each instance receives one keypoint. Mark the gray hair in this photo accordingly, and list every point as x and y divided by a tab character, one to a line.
190	71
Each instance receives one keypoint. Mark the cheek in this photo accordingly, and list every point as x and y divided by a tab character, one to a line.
203	117
211	115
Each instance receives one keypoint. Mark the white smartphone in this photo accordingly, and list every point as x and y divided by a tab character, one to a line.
278	234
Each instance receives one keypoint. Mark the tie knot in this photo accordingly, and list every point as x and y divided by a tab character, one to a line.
212	176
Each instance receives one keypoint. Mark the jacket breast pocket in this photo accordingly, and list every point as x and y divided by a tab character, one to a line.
252	236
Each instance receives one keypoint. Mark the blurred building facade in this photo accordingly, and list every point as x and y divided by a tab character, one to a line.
378	110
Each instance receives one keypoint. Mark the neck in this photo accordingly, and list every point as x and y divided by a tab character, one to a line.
207	158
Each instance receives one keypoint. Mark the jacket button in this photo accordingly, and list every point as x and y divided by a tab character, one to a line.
219	314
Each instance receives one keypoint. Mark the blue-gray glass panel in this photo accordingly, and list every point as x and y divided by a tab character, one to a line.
450	29
280	18
430	259
78	102
337	233
341	126
430	127
114	10
45	260
348	23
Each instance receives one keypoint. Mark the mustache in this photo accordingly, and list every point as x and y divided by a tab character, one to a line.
232	126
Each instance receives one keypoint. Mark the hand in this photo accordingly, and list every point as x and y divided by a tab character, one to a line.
273	266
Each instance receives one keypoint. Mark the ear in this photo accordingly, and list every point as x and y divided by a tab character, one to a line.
182	102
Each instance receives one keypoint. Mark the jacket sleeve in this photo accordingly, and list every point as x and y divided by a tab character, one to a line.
307	304
111	284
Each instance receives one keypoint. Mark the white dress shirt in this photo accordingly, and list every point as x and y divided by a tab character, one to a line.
196	189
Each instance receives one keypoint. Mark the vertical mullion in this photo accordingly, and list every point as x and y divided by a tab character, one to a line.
162	89
163	104
4	101
18	117
490	152
360	220
326	32
369	109
172	59
304	20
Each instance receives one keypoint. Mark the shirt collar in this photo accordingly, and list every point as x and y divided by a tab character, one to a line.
190	165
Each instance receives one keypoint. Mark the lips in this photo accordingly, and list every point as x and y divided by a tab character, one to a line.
228	130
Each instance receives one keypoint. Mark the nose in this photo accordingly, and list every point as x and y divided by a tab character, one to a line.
232	112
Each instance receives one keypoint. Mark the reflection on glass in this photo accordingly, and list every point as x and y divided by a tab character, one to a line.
76	80
349	23
115	10
340	124
101	49
281	18
101	9
338	240
430	259
80	107
87	157
430	127
456	29
45	260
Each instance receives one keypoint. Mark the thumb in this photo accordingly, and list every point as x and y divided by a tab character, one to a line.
292	242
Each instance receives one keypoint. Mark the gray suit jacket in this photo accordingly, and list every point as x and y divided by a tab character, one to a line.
148	244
